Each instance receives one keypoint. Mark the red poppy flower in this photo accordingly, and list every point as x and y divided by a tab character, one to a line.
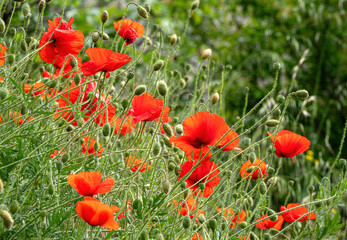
90	148
64	41
244	238
205	129
2	54
267	223
121	215
126	127
135	164
89	183
189	207
296	213
289	144
207	172
244	169
228	213
18	117
197	237
146	108
56	152
129	30
95	213
36	90
103	60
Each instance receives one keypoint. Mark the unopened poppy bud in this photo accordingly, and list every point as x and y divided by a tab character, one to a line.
23	109
11	58
272	218
73	62
14	206
212	223
267	236
26	9
95	36
186	222
130	75
7	218
342	162
182	82
69	128
173	39
106	130
104	16
158	65
202	218
243	224
291	183
202	186
310	188
139	90
162	88
215	98
183	185
272	123
42	5
80	122
61	122
167	142
271	148
252	156
270	170
156	149
247	142
142	12
3	26
235	195
59	166
206	53
77	79
194	5
43	213
177	171
165	187
280	99
167	129
105	36
249	201
51	189
224	226
96	145
1	186
302	94
13	31
3	93
179	129
171	166
277	66
23	45
262	188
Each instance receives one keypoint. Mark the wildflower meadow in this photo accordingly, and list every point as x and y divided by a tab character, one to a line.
173	119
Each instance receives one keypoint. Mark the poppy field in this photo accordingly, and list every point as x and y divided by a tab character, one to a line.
147	120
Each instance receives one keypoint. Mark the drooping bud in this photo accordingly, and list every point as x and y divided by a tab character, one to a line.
95	37
139	90
167	142
342	162
267	236
142	12
162	88
11	58
59	166
194	5
171	166
96	145
173	39
165	187
65	157
104	16
26	9
14	206
105	36
51	189
158	65
250	201
186	222
215	98
179	129
302	94
206	53
42	5
272	123
182	82
3	26
280	99
3	93
7	218
202	218
77	79
13	31
262	188
291	183
177	171
310	188
106	130
252	156
167	129
212	223
156	149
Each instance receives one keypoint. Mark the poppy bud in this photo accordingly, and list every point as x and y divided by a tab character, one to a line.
212	223
105	36
3	26
249	201
202	218
302	94
186	222
96	145
215	98
202	186
272	123
104	16
173	39
7	218
59	166
167	129
1	186
310	188
162	88
137	204
73	62
270	170
61	122
267	236
183	185
165	187
95	36
235	195
182	82
43	213
142	12
13	31
252	156
23	109
3	93
280	99
271	148
143	235
106	130
14	206
342	162
206	53
171	166
262	188
69	128
139	90
158	65
177	171
244	224
80	122
77	79
51	189
291	183
277	66
179	129
156	149
167	142
42	5
194	5
273	218
11	58
23	45
26	9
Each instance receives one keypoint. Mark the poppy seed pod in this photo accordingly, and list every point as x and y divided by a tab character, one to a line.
95	36
139	90
142	12
272	123
215	98
42	5
280	99
302	94
186	222
179	129
167	129
194	5
7	218
106	130
26	9
158	65
206	53
162	88
277	66
212	223
104	16
3	26
202	218
3	93
262	188
173	39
